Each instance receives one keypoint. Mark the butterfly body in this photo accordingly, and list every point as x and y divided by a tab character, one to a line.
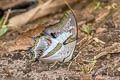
58	41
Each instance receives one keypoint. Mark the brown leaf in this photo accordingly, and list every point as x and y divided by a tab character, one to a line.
24	41
41	10
11	3
86	77
21	43
34	32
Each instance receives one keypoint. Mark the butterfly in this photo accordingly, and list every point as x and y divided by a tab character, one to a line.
57	43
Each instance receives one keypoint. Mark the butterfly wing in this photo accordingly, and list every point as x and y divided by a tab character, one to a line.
67	24
66	33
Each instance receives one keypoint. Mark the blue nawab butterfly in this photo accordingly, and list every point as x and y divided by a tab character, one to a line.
57	43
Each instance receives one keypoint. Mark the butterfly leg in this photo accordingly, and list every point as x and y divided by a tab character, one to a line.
53	65
68	68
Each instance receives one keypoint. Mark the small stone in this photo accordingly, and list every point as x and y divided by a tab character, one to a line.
100	30
118	69
100	77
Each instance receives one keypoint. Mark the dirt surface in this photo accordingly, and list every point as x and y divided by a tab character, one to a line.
99	56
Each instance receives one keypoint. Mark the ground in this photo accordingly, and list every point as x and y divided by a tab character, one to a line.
98	55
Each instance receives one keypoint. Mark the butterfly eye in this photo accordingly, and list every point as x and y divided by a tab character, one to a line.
53	35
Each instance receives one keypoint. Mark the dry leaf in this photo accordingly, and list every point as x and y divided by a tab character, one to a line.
21	43
41	10
24	41
22	19
34	32
11	3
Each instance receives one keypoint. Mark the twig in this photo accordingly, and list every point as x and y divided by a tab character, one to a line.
89	40
53	64
6	18
68	68
103	54
9	73
100	55
115	48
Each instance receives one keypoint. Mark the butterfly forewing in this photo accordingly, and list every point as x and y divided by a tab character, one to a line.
67	23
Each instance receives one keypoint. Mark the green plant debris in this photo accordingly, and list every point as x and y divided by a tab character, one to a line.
97	5
2	21
3	30
87	29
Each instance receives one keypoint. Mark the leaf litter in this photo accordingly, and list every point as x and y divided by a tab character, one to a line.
25	41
